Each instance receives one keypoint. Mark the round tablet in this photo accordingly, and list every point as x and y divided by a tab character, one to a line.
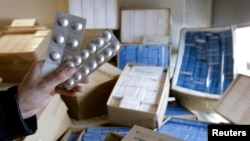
107	52
107	35
115	46
78	76
77	60
70	82
100	59
73	43
84	54
84	70
99	41
92	64
63	22
58	39
55	56
77	26
92	48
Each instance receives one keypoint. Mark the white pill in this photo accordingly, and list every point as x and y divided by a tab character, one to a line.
115	46
77	60
78	76
107	52
63	22
92	48
92	64
77	26
84	54
100	59
99	41
107	35
73	43
84	70
58	39
70	82
55	56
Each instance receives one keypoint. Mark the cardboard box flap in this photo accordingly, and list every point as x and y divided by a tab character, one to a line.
234	104
145	134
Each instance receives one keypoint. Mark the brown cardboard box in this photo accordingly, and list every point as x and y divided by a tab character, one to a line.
113	137
93	100
19	51
185	90
128	107
53	121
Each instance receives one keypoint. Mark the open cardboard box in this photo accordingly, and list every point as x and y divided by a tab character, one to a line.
140	96
199	80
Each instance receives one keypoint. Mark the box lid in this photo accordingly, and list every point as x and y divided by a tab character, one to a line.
234	104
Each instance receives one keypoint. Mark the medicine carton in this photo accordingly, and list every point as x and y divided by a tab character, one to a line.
139	97
205	66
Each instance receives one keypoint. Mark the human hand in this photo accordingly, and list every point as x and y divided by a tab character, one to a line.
35	91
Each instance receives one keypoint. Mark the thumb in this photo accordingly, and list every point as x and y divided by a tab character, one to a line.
61	76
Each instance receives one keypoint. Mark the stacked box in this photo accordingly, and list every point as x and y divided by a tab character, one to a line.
139	97
101	14
205	64
137	23
153	55
19	51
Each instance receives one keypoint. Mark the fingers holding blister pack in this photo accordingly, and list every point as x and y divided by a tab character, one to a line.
96	53
65	49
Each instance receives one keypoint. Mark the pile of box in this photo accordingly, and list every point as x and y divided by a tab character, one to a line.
135	94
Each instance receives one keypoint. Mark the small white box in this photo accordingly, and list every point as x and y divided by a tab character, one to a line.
143	113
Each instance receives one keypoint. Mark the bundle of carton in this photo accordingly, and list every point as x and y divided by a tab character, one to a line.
21	45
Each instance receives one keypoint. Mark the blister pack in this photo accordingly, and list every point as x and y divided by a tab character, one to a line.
65	49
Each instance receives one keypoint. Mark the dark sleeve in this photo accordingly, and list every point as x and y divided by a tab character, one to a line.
12	125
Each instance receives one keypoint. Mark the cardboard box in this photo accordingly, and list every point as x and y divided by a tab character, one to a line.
139	97
52	122
19	51
140	133
204	67
92	101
